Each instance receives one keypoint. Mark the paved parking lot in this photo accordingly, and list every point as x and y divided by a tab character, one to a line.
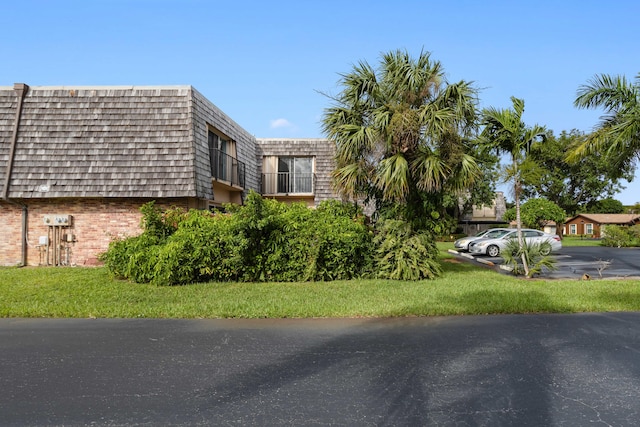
575	262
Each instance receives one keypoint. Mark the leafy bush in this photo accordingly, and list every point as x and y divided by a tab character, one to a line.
340	243
263	240
620	236
131	257
205	247
135	257
403	253
290	242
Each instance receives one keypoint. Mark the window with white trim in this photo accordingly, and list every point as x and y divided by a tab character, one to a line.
588	228
573	229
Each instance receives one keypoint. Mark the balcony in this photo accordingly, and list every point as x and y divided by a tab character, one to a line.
288	183
227	168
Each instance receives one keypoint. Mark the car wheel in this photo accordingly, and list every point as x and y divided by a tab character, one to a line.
493	251
545	249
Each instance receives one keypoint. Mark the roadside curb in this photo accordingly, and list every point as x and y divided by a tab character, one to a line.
471	257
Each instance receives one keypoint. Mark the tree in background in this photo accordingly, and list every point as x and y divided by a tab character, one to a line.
537	213
402	136
505	132
617	136
634	209
573	186
608	205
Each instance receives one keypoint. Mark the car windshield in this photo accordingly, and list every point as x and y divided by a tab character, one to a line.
495	234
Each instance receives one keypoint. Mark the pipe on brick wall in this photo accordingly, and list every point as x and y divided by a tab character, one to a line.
21	90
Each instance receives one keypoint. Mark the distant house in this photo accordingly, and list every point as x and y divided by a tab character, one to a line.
591	224
77	163
484	217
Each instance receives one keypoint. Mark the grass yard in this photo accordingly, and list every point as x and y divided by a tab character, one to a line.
577	241
462	290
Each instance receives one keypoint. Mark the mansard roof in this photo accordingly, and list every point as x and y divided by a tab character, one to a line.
102	141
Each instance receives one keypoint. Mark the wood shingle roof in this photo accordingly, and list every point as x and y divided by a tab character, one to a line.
116	141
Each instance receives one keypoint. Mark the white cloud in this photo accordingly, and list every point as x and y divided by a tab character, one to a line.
280	123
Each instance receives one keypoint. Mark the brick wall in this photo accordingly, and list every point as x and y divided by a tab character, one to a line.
10	246
95	223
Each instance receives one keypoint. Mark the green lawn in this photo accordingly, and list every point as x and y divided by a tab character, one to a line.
463	289
578	241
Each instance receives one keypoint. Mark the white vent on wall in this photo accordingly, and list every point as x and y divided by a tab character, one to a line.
57	220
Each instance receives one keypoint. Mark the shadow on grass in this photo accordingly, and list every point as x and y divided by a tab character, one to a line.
492	302
454	265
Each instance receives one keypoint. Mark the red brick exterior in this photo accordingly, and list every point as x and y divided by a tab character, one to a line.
95	223
10	232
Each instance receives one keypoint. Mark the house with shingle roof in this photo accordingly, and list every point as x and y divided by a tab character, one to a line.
591	224
77	163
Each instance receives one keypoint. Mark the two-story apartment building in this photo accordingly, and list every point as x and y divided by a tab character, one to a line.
77	163
484	217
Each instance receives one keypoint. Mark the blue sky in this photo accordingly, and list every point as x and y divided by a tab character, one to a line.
267	63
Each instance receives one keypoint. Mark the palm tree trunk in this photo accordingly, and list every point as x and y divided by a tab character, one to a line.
517	190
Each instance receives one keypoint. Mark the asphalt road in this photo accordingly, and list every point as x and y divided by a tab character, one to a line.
524	370
574	262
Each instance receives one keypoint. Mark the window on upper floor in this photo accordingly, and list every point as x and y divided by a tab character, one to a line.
288	175
223	159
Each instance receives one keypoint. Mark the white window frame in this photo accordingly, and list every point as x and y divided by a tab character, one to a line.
573	228
588	228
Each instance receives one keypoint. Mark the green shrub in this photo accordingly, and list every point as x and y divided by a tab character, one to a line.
160	224
290	242
205	247
135	257
404	254
620	236
263	240
340	243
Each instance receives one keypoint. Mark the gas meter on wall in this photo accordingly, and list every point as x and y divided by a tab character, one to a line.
58	220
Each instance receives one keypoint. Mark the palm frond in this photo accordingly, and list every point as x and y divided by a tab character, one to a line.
351	180
609	92
431	171
466	173
392	177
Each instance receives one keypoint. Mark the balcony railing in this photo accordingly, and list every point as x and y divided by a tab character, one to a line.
227	168
288	183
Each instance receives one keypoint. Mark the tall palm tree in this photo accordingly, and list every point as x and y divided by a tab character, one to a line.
401	130
617	136
505	132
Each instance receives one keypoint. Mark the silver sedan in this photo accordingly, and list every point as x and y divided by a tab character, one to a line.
493	246
462	244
